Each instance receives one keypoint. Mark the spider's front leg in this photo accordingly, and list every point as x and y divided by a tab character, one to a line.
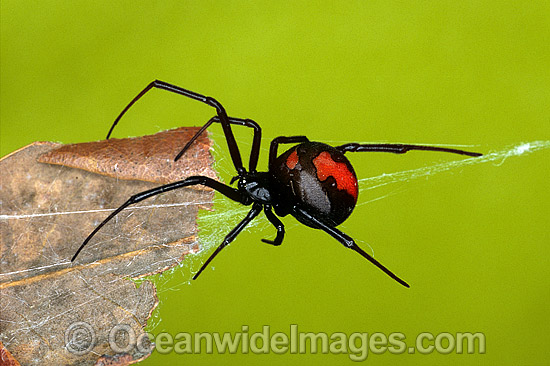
228	191
224	120
256	140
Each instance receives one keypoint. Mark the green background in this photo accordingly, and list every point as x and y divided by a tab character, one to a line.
473	243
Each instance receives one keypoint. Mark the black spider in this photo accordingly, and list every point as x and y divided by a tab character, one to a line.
312	181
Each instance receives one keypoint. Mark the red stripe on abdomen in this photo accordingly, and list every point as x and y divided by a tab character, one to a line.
327	167
292	160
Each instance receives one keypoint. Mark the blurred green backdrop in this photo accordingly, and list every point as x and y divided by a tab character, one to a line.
473	243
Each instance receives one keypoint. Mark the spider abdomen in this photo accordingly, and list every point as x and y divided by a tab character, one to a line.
318	178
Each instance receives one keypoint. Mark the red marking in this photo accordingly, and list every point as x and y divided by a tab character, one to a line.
327	167
292	160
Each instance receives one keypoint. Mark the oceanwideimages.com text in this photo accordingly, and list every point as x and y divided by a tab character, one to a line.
358	345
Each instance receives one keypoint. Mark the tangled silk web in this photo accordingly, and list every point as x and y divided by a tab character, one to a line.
224	218
498	157
216	224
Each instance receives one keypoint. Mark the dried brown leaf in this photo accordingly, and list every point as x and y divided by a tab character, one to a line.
147	158
47	210
6	359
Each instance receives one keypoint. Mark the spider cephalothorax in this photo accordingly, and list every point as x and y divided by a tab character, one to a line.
312	181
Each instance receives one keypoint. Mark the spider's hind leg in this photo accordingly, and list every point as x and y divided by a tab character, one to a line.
282	140
399	148
347	241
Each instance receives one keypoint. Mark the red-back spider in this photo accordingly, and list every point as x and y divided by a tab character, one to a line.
311	181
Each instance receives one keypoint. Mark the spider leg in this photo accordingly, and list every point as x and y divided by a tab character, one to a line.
282	140
256	209
195	180
254	153
274	220
231	142
347	241
398	148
